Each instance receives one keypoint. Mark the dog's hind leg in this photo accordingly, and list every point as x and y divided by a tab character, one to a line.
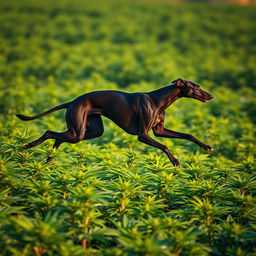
67	136
56	145
76	122
94	127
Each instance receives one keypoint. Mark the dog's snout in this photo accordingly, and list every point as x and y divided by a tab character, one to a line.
207	96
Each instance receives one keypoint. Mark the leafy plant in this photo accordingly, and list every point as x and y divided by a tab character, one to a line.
113	195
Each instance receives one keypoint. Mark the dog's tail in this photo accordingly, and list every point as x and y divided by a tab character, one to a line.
28	118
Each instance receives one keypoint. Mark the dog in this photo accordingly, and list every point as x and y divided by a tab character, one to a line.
135	113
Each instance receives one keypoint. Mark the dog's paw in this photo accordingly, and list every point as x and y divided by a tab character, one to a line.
175	162
49	160
207	148
28	145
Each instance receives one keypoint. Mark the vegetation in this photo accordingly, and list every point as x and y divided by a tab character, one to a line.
113	195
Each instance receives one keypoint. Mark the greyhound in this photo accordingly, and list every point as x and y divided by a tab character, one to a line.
135	113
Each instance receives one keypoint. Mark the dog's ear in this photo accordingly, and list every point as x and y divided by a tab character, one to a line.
179	82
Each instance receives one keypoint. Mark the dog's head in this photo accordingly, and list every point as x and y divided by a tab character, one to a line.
192	90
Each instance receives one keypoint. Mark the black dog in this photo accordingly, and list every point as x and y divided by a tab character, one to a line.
135	113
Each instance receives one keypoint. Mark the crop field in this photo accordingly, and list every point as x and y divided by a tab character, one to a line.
114	195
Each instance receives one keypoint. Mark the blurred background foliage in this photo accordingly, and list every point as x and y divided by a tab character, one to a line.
113	195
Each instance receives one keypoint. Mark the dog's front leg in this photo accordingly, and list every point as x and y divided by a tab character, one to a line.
160	131
148	140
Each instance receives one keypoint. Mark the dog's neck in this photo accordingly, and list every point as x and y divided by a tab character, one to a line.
165	96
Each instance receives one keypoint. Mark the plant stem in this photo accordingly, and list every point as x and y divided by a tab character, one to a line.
37	251
84	241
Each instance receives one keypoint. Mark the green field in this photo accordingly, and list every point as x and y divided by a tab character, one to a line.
114	195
